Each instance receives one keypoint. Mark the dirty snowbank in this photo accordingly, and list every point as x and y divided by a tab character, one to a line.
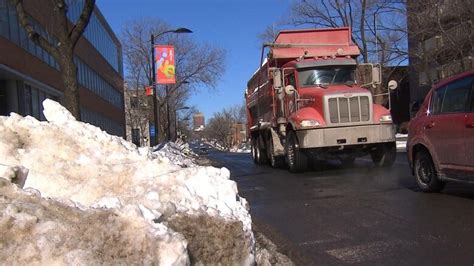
85	168
45	231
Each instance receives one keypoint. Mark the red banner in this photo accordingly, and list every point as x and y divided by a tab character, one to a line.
148	90
165	64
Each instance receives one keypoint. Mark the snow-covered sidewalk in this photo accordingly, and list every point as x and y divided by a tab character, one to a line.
93	198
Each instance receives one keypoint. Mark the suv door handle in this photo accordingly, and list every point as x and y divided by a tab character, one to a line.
430	125
470	125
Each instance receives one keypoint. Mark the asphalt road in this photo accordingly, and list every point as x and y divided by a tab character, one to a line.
359	215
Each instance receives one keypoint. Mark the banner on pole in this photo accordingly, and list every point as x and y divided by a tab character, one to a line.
165	64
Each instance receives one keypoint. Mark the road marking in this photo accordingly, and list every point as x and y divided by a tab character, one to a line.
369	251
331	239
369	160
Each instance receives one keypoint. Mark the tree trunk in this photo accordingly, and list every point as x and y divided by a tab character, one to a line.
71	86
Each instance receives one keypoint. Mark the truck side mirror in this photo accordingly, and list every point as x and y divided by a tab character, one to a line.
376	75
392	85
290	90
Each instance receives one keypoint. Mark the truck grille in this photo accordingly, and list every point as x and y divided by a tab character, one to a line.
349	109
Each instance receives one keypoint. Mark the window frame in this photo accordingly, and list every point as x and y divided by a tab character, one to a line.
446	88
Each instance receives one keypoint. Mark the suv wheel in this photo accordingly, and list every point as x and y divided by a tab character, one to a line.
425	173
296	159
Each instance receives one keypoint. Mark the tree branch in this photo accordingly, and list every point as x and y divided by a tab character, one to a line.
32	33
81	24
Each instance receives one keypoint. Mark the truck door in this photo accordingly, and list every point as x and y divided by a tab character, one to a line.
290	100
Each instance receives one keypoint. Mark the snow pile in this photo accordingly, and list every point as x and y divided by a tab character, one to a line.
216	145
34	229
85	168
241	148
178	153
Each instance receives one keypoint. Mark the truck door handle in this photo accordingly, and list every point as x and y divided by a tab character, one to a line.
430	125
470	125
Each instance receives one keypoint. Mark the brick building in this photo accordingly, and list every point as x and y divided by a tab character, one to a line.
198	121
138	116
238	133
28	74
440	41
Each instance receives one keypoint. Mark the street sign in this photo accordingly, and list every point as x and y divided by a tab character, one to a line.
165	64
152	131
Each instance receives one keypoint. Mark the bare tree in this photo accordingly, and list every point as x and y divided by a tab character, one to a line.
442	38
221	124
67	34
238	113
197	65
219	128
378	26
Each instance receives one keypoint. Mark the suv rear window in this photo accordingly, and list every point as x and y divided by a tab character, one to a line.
452	98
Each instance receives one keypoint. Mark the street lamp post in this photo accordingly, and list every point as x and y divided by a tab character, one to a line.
176	120
155	100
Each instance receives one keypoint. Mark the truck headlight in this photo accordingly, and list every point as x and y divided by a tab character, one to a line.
386	119
309	123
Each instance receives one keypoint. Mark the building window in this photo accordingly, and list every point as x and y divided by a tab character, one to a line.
30	100
97	35
35	107
4	19
91	80
105	123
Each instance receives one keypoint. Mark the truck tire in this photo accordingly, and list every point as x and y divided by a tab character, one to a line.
425	173
258	154
273	160
297	161
253	149
384	155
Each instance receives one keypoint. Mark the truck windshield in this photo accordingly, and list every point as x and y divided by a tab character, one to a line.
327	75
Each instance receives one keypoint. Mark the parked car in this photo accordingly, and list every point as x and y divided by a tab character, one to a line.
440	142
203	151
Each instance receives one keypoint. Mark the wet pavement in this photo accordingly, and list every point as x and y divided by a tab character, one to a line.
360	215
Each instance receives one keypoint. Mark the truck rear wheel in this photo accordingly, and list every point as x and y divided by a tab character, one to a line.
384	155
258	153
297	161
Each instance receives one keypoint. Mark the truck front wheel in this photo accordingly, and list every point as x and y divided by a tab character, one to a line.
297	161
384	155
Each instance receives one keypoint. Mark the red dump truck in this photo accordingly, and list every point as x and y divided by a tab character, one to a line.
305	104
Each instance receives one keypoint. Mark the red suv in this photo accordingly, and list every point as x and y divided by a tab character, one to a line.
440	142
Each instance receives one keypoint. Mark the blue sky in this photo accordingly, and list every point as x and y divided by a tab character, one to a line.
229	24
